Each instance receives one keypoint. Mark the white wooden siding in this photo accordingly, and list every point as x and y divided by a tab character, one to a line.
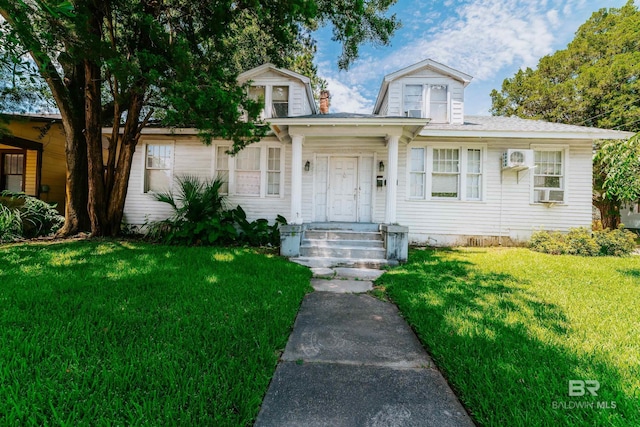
506	209
192	157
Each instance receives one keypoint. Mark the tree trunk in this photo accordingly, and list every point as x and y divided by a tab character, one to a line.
93	135
609	213
128	143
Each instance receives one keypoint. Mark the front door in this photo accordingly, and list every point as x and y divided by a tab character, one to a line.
343	189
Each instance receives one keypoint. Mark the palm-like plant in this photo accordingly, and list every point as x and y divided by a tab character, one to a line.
195	199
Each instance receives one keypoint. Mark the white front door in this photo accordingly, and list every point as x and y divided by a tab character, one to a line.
343	189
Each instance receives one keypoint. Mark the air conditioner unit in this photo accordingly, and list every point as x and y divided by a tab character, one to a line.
550	196
516	159
414	113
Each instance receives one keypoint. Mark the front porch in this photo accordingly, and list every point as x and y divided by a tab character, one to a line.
341	244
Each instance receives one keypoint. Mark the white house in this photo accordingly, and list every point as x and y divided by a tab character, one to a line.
416	170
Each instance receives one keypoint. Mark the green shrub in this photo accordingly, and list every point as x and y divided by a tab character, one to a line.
38	218
549	242
615	242
10	224
581	241
201	218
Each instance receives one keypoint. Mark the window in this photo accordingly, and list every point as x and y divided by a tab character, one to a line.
413	101
474	173
280	101
548	176
427	101
248	172
275	99
417	174
446	173
158	165
12	166
273	171
438	104
222	168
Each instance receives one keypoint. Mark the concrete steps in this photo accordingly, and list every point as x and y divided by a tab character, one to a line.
342	244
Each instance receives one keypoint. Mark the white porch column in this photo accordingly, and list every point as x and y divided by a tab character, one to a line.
296	179
392	179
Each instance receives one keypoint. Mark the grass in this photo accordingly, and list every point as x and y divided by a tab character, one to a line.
119	333
509	328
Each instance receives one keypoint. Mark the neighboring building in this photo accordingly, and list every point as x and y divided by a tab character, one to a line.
417	162
32	158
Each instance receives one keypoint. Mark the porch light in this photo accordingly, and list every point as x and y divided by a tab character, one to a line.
307	166
381	166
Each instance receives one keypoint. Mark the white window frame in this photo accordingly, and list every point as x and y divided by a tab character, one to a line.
171	168
462	174
564	149
426	98
268	96
264	164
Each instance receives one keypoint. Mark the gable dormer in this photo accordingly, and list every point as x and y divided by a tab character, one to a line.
427	89
284	92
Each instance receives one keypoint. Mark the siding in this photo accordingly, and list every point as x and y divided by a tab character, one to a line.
54	169
506	210
192	157
299	104
30	173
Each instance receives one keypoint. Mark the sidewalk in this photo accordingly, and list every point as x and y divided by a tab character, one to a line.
351	360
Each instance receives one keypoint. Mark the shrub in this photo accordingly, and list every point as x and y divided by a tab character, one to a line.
549	242
37	217
201	218
10	224
615	242
581	241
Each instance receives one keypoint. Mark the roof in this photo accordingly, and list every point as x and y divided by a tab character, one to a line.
515	127
464	78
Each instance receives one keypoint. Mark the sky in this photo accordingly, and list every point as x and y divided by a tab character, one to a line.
488	39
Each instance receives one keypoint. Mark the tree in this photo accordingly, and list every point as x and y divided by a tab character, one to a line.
616	178
595	82
123	63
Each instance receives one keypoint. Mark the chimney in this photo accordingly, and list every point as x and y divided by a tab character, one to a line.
324	102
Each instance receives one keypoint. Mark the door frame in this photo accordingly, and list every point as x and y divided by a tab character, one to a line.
360	158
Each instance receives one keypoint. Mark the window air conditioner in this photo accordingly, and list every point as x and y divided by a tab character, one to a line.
414	113
550	196
516	159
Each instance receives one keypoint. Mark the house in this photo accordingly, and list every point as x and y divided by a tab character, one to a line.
416	170
32	158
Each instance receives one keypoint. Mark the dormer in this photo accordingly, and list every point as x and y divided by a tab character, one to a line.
427	89
284	92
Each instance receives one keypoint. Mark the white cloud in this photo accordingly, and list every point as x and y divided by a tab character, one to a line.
347	99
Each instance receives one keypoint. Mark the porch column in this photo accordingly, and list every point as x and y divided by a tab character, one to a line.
392	179
296	179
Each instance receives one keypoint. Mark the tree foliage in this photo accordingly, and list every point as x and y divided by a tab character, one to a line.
123	62
594	82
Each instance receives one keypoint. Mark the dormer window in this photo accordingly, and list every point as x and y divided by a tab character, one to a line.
277	97
280	101
427	101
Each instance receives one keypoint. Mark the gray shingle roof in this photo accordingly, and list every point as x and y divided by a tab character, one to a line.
516	124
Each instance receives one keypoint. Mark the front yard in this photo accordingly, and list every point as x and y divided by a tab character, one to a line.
119	333
510	328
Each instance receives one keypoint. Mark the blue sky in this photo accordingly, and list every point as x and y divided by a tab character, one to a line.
488	39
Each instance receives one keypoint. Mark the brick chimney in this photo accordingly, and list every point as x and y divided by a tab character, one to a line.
324	102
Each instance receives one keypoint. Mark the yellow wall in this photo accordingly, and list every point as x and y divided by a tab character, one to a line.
53	158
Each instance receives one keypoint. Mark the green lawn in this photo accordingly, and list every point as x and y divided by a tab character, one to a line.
510	328
120	333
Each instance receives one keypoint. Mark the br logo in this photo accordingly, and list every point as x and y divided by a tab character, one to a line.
580	388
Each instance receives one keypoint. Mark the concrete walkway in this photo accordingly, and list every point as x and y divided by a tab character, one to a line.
351	360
